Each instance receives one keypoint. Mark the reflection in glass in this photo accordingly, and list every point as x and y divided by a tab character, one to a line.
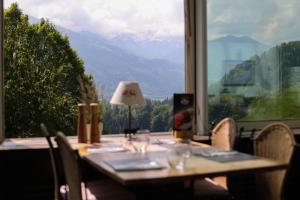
252	74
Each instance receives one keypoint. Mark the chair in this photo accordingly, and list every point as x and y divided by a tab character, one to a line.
224	133
276	141
100	189
58	192
223	137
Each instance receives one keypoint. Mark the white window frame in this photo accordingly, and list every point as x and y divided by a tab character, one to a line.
201	67
201	78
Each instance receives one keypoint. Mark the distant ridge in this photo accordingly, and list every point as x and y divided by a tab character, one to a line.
236	39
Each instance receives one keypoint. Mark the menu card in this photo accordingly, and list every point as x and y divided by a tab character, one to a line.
183	110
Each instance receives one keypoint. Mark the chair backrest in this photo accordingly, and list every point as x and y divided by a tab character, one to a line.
223	137
53	160
275	141
71	167
224	134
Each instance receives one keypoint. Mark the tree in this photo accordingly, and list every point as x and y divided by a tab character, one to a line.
42	77
282	105
155	116
161	117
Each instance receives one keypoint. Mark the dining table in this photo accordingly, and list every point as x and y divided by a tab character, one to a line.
117	158
204	161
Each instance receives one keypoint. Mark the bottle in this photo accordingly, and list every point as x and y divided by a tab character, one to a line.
81	124
95	132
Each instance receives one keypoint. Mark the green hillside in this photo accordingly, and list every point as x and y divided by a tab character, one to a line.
264	87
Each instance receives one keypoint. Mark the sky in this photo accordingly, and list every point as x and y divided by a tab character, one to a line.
268	21
143	19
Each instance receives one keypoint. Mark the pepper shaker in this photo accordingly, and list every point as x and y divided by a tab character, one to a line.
81	124
95	132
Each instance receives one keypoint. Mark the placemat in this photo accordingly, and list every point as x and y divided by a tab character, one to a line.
220	155
132	164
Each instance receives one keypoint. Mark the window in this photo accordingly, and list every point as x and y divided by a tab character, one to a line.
108	41
253	71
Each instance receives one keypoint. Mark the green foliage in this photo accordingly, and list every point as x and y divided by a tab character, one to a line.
273	95
283	105
161	117
42	75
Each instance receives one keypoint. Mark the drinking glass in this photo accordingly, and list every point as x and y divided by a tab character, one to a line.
178	156
140	143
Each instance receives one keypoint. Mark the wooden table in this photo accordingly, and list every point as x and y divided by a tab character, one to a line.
33	157
197	167
11	144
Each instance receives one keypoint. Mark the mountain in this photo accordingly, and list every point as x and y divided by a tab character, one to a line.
158	65
171	49
226	52
110	64
276	69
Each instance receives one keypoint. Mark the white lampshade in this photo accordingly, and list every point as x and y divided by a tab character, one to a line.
128	93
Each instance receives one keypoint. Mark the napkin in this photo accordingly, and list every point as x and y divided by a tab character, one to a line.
164	141
212	152
105	149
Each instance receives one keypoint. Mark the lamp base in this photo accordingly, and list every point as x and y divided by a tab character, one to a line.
130	132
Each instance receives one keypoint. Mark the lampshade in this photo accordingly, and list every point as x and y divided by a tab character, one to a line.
128	93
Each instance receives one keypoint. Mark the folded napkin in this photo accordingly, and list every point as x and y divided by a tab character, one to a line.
163	141
105	149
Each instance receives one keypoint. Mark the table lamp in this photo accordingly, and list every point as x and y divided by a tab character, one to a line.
129	94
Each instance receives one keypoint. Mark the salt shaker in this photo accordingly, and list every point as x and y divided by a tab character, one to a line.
95	132
81	124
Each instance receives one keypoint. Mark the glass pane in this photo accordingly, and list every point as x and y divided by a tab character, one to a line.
253	59
60	53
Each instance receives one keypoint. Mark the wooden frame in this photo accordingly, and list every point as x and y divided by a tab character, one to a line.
1	72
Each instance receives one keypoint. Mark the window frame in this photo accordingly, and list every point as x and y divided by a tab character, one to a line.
201	78
1	72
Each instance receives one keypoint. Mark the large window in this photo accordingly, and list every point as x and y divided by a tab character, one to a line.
253	56
60	53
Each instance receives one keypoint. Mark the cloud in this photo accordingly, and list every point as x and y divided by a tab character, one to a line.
268	21
151	19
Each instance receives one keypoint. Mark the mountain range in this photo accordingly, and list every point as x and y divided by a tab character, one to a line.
124	59
158	65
